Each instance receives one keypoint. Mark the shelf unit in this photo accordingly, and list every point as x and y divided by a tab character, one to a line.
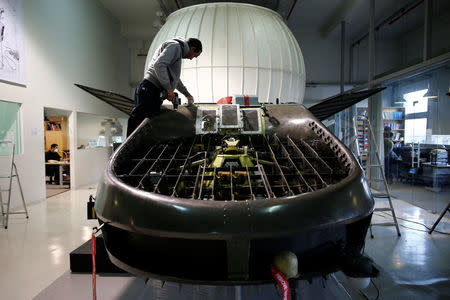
394	117
56	132
362	134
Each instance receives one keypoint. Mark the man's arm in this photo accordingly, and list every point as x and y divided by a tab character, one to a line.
183	89
185	92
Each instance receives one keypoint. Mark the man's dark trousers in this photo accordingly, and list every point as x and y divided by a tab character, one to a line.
147	103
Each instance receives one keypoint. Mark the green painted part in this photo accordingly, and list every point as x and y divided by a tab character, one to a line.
263	124
208	183
218	161
246	161
265	162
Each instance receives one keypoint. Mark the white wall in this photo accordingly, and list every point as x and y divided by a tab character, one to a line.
66	42
321	92
322	56
93	160
88	128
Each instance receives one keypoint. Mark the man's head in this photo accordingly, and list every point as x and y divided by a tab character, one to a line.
54	147
387	131
195	48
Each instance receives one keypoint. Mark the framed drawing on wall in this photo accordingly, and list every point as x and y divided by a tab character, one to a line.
12	59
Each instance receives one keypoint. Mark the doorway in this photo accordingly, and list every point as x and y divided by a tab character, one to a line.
57	151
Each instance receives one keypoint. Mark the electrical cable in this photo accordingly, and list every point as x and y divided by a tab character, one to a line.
441	232
387	215
413	228
365	296
378	291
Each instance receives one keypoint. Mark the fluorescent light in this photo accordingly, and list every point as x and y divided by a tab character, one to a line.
430	97
430	94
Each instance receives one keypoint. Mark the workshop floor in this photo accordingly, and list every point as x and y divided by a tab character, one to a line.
50	192
421	195
34	260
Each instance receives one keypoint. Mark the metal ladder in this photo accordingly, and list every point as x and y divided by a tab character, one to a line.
368	167
12	174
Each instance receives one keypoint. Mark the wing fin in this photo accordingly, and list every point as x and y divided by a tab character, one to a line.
120	102
335	104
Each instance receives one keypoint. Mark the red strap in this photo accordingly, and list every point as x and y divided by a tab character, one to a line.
246	100
94	271
281	280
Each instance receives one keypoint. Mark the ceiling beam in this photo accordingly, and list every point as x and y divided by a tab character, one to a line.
408	71
339	15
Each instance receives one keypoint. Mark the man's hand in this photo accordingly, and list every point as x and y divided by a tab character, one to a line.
170	95
190	100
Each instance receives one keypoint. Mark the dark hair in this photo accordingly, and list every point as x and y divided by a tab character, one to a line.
54	146
193	42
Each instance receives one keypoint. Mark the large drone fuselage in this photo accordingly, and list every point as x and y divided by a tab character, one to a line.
182	200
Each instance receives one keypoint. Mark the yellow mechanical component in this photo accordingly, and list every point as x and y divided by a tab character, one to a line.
218	161
232	146
241	173
245	160
221	174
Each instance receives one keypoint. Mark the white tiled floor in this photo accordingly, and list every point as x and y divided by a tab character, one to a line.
35	252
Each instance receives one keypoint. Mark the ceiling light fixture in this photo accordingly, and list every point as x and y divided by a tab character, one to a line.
431	92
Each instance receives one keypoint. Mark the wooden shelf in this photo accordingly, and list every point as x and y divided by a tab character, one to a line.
56	132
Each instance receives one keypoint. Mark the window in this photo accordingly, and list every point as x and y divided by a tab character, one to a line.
416	130
10	126
416	109
95	131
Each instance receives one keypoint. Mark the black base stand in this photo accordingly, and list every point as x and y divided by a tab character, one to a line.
81	259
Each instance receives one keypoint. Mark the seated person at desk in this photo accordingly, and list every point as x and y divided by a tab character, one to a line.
52	171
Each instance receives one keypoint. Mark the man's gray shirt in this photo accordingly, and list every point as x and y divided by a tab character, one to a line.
165	67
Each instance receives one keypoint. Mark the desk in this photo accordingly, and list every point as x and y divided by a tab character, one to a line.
438	175
61	164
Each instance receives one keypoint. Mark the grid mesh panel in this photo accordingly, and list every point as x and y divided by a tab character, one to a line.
269	167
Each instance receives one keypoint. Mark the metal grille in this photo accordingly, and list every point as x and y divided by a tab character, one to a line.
275	167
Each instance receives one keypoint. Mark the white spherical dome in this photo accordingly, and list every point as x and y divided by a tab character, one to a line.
247	49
